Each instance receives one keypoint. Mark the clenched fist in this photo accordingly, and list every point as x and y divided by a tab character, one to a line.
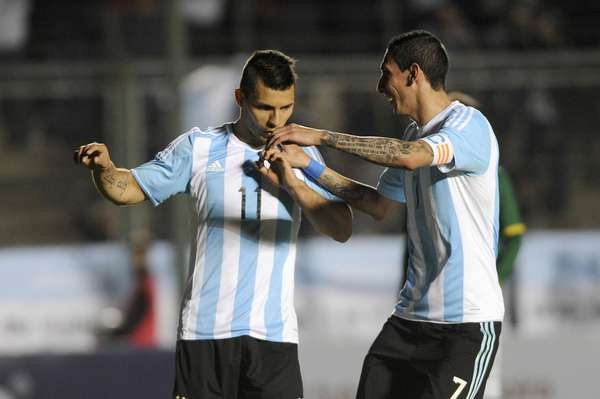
93	155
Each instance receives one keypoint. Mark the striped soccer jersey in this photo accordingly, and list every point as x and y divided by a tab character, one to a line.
452	221
241	279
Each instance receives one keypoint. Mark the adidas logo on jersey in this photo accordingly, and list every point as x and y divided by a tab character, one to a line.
215	167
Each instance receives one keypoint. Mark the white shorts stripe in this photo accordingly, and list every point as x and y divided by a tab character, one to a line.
490	327
478	362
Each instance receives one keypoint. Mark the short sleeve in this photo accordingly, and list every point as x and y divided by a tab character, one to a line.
314	153
391	184
471	144
169	173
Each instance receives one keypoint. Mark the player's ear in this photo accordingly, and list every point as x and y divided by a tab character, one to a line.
413	71
239	97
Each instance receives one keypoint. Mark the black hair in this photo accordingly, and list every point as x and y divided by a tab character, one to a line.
272	67
424	49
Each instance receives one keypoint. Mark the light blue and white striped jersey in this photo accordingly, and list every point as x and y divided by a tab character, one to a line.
452	221
242	277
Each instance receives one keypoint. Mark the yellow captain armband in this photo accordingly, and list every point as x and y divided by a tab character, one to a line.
514	230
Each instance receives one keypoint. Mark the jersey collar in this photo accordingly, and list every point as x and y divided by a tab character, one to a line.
423	130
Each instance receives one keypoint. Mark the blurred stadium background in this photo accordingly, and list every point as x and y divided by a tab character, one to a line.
136	73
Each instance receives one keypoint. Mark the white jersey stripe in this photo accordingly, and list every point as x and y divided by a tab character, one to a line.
231	242
457	117
266	255
283	240
467	119
251	193
213	255
189	311
290	326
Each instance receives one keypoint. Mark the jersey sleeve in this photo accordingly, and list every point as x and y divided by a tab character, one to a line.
169	173
391	184
465	146
314	153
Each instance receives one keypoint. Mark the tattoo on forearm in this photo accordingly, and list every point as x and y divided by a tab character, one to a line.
113	181
331	139
381	150
345	189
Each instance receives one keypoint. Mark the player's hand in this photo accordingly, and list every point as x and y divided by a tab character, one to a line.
296	134
294	154
279	171
93	155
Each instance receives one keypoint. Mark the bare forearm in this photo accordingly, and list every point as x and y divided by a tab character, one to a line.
117	185
358	195
380	150
333	219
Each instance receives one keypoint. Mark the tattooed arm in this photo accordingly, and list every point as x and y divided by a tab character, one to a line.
115	184
380	150
360	196
118	185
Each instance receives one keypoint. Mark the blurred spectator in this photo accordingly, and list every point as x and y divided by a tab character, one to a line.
138	326
13	25
203	12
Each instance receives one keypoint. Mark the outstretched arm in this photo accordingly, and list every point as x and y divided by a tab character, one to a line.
380	150
115	184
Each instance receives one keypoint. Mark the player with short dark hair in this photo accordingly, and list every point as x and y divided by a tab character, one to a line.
238	332
275	69
422	48
441	340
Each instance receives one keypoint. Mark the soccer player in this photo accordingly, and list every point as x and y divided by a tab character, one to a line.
441	340
511	232
237	335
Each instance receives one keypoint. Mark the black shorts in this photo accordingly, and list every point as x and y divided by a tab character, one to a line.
420	360
241	367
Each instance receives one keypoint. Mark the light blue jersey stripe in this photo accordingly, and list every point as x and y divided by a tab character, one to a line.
249	242
454	268
273	314
214	241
